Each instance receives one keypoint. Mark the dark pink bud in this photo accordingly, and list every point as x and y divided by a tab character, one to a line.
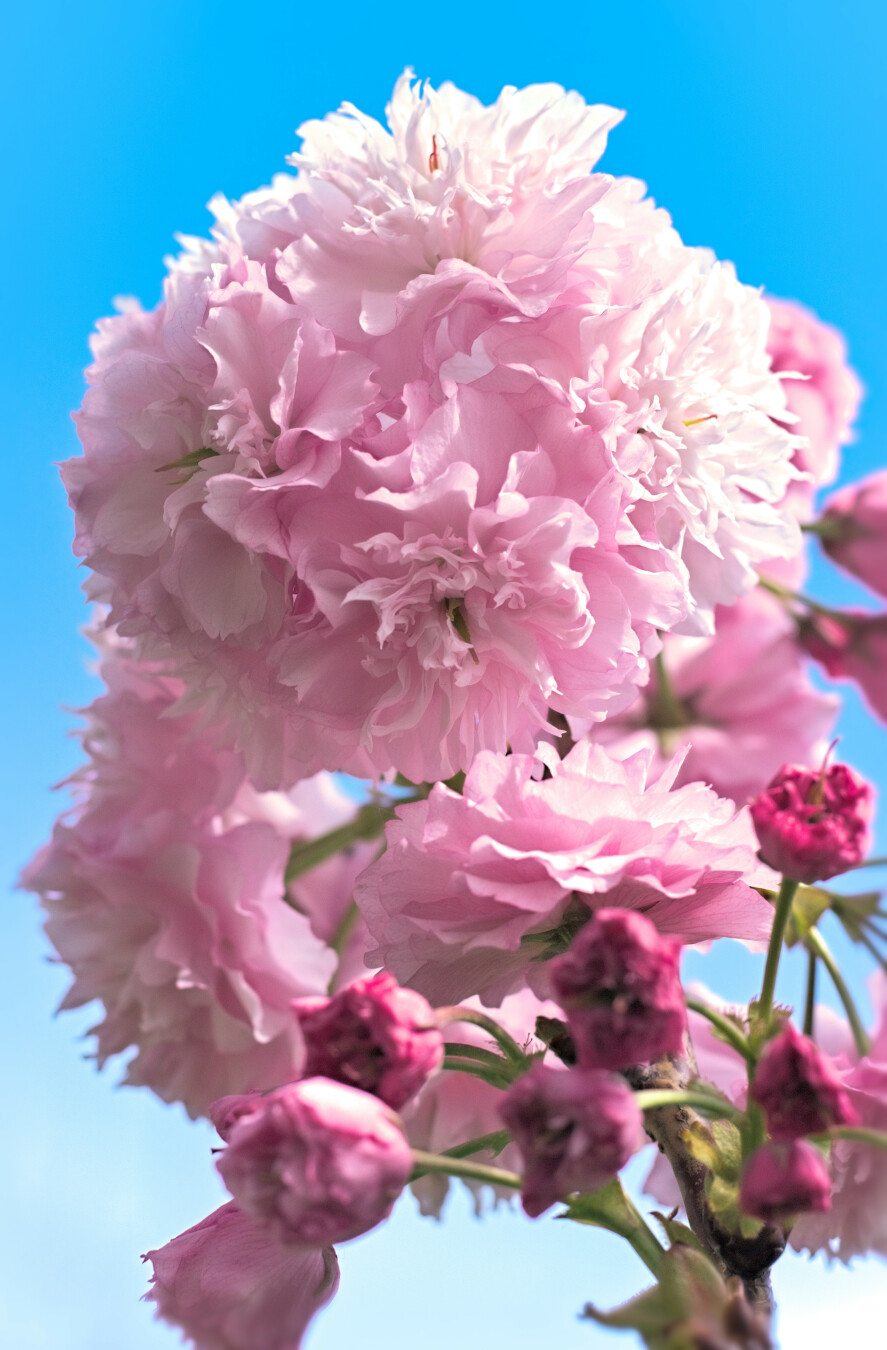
813	824
317	1162
620	988
798	1088
853	530
575	1129
372	1035
781	1180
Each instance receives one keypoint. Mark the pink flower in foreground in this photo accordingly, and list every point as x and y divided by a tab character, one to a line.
798	1088
781	1180
814	824
575	1129
473	887
826	401
740	703
851	645
317	1162
619	985
228	1285
372	1035
854	530
165	893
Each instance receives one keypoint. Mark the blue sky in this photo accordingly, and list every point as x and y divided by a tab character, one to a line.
759	126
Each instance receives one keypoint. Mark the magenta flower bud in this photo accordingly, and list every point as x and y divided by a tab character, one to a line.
798	1088
317	1162
575	1129
781	1180
853	530
813	824
620	988
372	1035
851	646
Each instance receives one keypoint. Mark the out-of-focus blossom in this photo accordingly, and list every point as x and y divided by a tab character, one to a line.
798	1088
575	1129
851	645
740	703
620	987
853	530
165	892
474	887
826	399
373	1035
317	1162
228	1285
814	824
781	1180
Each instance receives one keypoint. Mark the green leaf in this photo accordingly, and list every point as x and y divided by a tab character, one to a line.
808	907
675	1231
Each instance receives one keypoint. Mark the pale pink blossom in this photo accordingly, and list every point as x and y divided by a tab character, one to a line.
854	530
228	1285
474	886
165	893
740	703
317	1162
825	399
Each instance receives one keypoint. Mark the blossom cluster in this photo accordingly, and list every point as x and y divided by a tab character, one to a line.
444	526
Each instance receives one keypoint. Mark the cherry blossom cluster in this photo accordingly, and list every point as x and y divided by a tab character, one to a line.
446	524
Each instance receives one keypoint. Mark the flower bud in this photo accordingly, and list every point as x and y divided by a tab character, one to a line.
813	824
853	530
226	1111
230	1286
317	1161
620	988
575	1129
781	1180
798	1089
372	1035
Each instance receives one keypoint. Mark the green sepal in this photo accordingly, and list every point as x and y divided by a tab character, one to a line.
553	941
808	907
676	1232
191	461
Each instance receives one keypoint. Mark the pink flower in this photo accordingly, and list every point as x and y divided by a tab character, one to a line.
825	401
165	893
474	887
317	1162
228	1285
851	645
781	1180
620	987
813	824
373	1035
798	1088
575	1129
740	703
854	530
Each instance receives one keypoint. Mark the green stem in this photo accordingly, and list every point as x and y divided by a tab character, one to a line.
425	1163
810	994
783	593
858	1133
496	1080
459	1050
786	895
651	1099
667	711
509	1046
869	862
368	823
814	941
729	1030
484	1143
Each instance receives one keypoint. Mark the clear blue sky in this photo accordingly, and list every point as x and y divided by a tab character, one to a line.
759	125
